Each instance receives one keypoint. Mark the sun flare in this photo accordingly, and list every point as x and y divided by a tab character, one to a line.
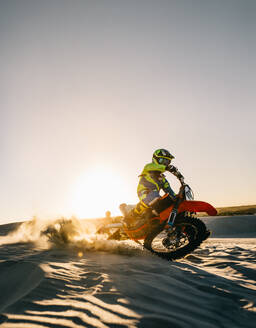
96	191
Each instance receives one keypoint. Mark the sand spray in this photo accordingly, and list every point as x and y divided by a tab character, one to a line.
68	233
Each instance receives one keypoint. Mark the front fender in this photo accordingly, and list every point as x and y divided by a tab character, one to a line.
197	206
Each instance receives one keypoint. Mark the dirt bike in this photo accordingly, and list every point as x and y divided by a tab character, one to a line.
171	234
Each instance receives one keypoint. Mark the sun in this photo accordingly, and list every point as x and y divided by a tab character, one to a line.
96	191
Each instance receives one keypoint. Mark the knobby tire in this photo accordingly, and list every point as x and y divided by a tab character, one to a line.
183	251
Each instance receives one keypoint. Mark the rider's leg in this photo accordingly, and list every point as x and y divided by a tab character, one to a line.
151	205
145	208
145	202
138	212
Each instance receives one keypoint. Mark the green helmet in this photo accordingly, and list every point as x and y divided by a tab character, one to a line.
162	156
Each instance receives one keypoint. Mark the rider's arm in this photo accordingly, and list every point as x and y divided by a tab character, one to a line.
166	188
172	169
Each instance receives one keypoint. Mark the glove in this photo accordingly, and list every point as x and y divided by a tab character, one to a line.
172	169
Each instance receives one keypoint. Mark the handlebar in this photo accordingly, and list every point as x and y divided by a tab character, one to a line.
181	180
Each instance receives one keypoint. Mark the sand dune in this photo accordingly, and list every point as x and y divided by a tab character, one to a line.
232	226
74	285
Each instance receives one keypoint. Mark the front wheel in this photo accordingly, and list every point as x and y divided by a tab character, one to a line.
188	233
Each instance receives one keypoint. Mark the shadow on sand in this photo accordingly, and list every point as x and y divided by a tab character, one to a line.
57	288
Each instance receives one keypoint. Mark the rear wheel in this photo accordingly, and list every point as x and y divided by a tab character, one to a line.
187	234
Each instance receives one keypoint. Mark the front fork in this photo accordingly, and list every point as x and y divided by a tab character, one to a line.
172	217
173	214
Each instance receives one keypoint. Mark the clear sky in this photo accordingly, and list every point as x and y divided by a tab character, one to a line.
89	89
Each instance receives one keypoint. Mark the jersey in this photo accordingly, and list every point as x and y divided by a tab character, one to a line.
152	180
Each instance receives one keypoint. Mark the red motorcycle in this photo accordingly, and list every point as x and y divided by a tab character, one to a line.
173	233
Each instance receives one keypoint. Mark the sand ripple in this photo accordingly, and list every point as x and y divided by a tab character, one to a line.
127	287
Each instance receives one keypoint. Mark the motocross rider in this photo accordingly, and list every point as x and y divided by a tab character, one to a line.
152	180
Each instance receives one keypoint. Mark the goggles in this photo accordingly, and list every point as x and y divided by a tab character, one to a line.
164	161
